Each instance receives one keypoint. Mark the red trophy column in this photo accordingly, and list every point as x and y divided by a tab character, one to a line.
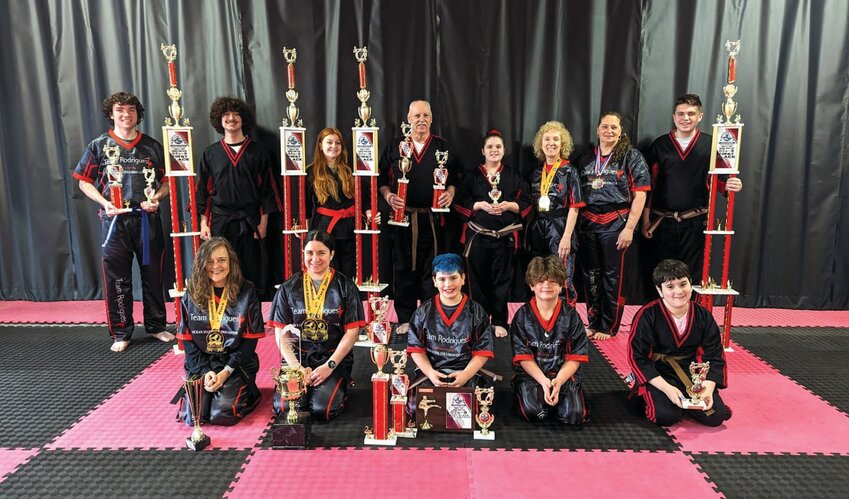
379	433
400	388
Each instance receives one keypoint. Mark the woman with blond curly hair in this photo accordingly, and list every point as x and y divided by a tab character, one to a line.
556	194
330	197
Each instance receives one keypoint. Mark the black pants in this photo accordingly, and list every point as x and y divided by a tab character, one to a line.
602	266
412	285
489	271
249	250
661	410
684	240
124	243
571	406
325	401
345	258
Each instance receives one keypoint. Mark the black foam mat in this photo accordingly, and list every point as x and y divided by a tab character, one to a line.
137	473
814	357
776	476
52	376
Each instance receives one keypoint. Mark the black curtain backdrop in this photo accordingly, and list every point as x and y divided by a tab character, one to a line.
482	64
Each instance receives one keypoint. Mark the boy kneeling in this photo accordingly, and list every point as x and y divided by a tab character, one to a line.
667	335
549	348
450	337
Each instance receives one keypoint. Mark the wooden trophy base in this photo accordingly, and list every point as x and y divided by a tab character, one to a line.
291	436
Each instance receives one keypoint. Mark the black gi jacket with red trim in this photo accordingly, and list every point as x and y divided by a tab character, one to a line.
475	187
420	188
548	343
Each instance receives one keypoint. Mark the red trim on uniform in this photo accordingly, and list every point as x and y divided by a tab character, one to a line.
235	157
350	325
276	324
255	335
462	210
604	218
419	156
577	205
236	401
416	350
577	358
620	301
449	321
332	396
183	336
642	188
641	378
682	153
520	357
679	337
123	143
651	412
483	353
82	177
549	324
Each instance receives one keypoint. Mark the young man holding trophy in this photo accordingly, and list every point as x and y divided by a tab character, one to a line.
675	351
118	171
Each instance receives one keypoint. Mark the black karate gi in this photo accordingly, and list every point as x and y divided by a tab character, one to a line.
234	189
427	231
241	327
490	250
680	184
547	227
654	333
127	233
550	344
600	223
343	310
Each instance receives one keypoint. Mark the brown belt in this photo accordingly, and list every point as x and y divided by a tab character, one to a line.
672	360
477	229
678	216
414	227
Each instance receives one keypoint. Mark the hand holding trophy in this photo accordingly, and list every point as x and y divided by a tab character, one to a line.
698	373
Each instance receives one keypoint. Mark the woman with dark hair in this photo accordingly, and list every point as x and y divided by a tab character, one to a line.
492	200
556	192
220	322
330	197
614	182
326	312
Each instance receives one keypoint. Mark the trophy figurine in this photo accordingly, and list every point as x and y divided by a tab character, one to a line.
378	329
194	393
426	404
291	431
440	177
149	178
405	148
485	418
115	172
494	179
698	373
400	386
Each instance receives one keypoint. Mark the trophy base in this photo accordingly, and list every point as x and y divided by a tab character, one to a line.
173	293
294	231
198	446
372	288
490	435
369	440
410	432
399	224
177	351
440	210
687	404
366	231
291	436
185	234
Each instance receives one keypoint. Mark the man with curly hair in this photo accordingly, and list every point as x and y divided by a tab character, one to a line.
134	227
235	189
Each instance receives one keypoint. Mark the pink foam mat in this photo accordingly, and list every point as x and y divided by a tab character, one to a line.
10	459
463	473
772	413
355	473
141	416
92	312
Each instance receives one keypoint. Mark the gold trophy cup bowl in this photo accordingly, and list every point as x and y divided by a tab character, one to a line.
291	385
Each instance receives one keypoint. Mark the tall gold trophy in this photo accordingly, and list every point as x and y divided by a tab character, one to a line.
291	429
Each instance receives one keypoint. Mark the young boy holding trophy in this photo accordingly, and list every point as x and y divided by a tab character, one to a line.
675	348
549	349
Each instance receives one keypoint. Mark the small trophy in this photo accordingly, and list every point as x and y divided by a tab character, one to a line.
405	148
440	177
293	430
494	179
194	393
698	373
115	173
378	329
149	178
400	386
485	418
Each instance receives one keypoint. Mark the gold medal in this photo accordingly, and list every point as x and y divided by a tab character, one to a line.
315	328
598	183
214	339
544	203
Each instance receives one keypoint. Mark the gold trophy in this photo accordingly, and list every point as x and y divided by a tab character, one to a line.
293	432
378	329
698	373
405	149
380	356
485	418
400	386
194	394
149	178
494	179
426	404
115	173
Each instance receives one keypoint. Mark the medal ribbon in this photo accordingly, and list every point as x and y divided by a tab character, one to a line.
314	300
548	177
216	311
600	165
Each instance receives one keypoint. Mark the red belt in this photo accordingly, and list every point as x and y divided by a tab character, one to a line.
336	215
604	218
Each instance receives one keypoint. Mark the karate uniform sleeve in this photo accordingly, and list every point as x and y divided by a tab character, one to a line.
88	168
455	168
576	195
464	200
640	347
203	187
255	325
483	339
639	178
183	331
519	337
247	346
523	197
385	167
578	346
158	163
354	313
269	198
416	334
712	349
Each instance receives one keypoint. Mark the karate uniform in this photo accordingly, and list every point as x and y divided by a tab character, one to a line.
126	236
491	241
335	217
600	223
241	327
550	344
654	338
342	310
